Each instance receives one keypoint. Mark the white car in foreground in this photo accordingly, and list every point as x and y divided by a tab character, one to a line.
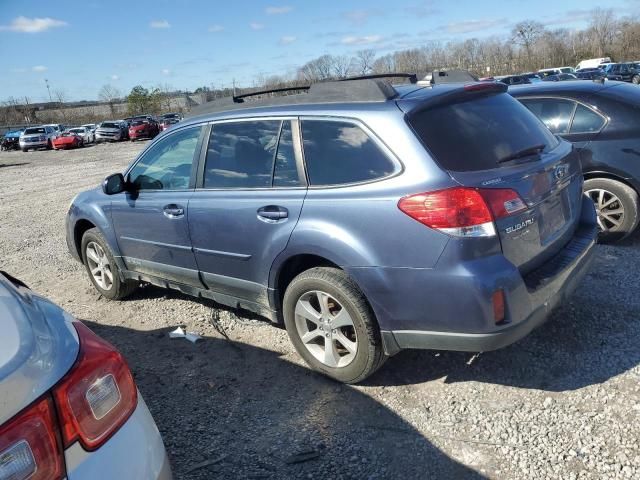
69	407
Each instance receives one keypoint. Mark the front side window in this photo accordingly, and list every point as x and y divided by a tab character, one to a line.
167	164
338	153
554	113
586	120
251	154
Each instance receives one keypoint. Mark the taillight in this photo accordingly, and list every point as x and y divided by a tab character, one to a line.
97	396
462	211
29	445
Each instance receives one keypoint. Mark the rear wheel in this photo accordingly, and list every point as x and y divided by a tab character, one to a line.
49	145
25	150
635	79
102	268
616	206
331	325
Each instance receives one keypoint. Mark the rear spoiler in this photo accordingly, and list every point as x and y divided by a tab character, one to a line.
452	95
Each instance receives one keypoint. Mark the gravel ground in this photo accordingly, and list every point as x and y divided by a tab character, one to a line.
562	403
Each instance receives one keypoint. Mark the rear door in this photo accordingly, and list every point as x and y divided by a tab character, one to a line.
492	141
150	220
251	187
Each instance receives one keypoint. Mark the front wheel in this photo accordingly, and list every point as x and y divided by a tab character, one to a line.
332	326
635	79
616	206
102	268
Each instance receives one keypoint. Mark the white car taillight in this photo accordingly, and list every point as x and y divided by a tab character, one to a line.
97	396
29	446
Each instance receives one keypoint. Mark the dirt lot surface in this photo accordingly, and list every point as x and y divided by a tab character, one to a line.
562	403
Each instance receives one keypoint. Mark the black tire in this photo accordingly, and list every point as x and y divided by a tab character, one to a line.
369	354
627	200
49	145
25	150
636	79
119	289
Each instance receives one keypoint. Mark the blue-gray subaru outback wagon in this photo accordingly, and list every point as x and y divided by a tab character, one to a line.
369	218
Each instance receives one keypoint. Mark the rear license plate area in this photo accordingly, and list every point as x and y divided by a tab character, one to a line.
553	217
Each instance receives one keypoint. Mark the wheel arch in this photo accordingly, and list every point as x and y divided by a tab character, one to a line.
594	174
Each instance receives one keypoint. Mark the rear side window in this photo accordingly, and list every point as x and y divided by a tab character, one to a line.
555	113
586	121
253	154
477	134
338	153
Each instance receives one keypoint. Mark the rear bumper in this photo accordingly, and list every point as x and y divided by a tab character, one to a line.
135	451
449	307
552	294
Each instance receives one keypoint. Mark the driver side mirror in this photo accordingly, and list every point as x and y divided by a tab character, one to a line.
113	184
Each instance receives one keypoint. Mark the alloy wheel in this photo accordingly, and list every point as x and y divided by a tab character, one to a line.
99	265
609	209
326	329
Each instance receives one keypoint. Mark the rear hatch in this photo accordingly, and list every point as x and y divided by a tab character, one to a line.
485	139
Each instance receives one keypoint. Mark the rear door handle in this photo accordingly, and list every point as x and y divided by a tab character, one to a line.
272	213
173	211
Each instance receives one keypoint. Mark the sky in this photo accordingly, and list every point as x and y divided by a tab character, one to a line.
79	46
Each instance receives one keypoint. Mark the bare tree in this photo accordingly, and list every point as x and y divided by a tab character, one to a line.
385	64
603	27
340	65
363	61
526	34
110	94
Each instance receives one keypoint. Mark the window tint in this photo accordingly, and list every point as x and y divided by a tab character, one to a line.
477	134
586	120
285	173
241	155
341	152
555	113
167	164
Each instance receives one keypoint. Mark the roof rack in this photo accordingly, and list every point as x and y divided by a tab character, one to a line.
367	88
438	77
413	78
239	98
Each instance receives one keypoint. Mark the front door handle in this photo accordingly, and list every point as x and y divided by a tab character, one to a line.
173	211
272	213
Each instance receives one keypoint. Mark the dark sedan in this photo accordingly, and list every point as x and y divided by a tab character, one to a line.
602	120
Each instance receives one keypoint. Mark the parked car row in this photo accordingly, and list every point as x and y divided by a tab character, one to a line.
58	137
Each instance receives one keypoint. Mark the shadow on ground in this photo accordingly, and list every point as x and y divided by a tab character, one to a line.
260	414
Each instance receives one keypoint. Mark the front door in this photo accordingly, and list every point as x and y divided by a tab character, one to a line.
150	219
250	195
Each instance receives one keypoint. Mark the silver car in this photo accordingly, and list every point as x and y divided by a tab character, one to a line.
84	132
109	132
37	137
69	406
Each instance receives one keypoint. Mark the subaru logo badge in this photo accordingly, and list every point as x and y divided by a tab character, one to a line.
561	171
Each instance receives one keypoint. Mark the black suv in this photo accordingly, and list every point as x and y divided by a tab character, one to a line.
626	72
602	120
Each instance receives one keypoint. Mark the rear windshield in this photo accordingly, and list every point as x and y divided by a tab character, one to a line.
31	131
477	134
135	123
76	130
109	125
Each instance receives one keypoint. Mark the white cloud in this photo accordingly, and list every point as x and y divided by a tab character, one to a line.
469	26
364	40
216	28
160	24
166	71
278	10
115	77
32	25
287	39
256	26
39	68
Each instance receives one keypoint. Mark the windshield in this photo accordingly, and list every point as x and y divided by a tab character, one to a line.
135	123
76	130
109	125
477	134
33	131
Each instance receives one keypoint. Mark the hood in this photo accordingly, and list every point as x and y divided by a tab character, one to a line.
38	345
135	128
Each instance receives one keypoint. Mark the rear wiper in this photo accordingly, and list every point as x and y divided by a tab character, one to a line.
525	152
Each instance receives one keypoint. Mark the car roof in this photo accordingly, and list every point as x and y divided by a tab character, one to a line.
342	98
